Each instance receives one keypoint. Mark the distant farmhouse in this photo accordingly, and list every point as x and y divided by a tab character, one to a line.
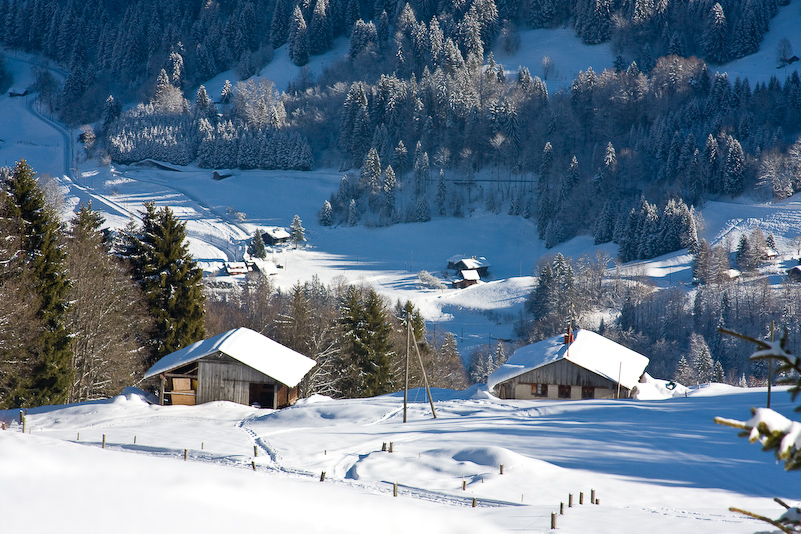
275	236
240	366
583	365
794	273
470	270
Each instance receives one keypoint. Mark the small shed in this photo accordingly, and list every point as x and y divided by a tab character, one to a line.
240	366
471	263
469	278
275	236
794	273
584	365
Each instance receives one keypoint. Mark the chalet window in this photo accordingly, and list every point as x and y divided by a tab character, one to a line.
564	392
587	392
539	390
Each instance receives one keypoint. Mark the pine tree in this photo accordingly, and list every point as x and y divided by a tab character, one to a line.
353	213
51	358
367	329
684	373
714	38
734	168
326	215
297	231
279	27
170	279
257	243
298	39
320	29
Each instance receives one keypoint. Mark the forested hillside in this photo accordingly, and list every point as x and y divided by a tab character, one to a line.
420	92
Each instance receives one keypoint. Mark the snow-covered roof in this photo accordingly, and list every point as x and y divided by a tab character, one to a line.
470	274
469	262
589	350
277	233
249	347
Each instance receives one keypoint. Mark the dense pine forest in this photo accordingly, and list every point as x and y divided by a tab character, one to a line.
426	119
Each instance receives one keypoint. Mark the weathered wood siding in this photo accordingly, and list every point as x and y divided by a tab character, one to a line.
220	377
567	373
560	373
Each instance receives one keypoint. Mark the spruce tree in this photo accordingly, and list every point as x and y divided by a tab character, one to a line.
170	279
297	231
298	39
51	358
258	245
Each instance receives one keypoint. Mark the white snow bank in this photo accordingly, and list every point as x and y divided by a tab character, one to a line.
650	388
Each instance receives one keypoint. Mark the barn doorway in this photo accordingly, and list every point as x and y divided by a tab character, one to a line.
262	395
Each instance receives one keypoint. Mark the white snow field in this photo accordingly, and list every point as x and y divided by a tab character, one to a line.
656	466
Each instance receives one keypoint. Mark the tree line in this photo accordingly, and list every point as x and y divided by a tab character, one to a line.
85	314
358	339
420	82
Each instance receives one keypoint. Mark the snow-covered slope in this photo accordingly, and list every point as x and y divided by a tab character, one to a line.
658	467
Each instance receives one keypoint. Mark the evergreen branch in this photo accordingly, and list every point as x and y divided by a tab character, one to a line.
776	524
732	423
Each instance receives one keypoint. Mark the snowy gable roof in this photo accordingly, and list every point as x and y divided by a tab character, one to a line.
591	351
468	262
250	348
471	274
277	233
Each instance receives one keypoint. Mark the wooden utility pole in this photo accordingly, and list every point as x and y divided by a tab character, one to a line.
406	379
770	363
425	378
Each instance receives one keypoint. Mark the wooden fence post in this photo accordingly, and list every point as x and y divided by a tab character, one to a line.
322	477
570	500
501	468
464	485
186	454
104	441
253	464
394	489
475	502
561	508
592	496
553	521
24	423
581	497
391	446
255	450
384	447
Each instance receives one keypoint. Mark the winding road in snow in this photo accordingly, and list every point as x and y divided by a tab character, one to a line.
69	178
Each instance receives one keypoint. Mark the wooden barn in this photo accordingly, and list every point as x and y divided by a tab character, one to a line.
240	366
472	263
469	278
275	236
582	365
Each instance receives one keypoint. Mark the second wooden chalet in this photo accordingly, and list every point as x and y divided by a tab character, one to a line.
582	365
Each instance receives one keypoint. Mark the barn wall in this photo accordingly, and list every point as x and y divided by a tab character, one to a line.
561	372
564	372
223	378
